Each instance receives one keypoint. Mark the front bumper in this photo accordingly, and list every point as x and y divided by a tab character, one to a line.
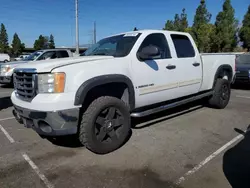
5	79
64	122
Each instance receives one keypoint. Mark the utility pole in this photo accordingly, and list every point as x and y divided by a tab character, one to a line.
94	32
77	28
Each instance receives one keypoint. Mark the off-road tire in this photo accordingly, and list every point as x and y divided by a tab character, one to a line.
87	127
221	95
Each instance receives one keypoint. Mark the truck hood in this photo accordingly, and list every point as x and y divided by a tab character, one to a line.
48	65
13	63
241	67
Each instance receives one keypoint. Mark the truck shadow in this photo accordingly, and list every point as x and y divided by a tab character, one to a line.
236	163
69	141
5	102
140	123
241	86
73	142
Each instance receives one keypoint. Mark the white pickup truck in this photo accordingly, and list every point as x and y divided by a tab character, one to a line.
6	69
133	74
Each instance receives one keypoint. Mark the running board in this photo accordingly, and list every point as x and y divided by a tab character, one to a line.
169	106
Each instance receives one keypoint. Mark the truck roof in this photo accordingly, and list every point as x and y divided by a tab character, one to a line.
149	31
55	49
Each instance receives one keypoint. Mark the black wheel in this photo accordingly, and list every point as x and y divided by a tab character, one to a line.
5	61
105	125
221	96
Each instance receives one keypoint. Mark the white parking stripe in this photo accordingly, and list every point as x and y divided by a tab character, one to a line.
209	158
239	96
8	118
4	92
38	172
7	134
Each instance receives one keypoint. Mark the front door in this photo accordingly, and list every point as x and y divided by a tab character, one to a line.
155	80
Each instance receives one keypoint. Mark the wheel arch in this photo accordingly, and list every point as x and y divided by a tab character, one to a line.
92	83
222	71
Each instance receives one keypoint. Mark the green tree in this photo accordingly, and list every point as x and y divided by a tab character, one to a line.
51	42
17	45
202	29
169	25
4	45
179	23
183	21
245	30
226	29
41	43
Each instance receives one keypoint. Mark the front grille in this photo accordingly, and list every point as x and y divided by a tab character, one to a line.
24	84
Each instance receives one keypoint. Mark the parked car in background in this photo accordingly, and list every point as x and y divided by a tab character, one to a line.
243	69
132	74
4	58
6	69
21	57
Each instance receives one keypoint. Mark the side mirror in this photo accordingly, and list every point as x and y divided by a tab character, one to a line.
148	52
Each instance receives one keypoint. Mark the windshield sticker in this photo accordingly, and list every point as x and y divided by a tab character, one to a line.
130	34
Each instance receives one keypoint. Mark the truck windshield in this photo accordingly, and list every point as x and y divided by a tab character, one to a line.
33	56
117	46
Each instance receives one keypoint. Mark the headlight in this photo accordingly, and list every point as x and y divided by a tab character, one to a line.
51	83
5	69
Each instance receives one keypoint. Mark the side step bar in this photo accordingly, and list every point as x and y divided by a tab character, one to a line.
171	105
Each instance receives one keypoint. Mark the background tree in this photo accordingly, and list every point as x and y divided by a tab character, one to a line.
169	25
17	45
201	30
135	29
41	43
51	42
225	29
4	45
245	30
179	23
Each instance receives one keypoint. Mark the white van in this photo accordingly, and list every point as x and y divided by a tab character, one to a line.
4	58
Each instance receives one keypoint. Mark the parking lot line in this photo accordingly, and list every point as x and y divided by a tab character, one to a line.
8	118
7	134
239	96
4	92
38	172
209	158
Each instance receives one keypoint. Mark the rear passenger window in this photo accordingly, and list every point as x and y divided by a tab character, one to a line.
183	46
159	40
62	54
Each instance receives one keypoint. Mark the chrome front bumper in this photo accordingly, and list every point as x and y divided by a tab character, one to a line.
57	123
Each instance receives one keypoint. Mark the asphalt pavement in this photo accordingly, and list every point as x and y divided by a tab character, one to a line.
188	147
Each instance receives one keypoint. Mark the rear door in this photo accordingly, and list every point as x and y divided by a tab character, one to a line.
188	65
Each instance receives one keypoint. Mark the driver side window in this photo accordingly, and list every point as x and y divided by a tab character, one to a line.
48	55
158	40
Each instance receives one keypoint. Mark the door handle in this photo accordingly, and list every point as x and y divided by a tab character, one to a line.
196	64
170	67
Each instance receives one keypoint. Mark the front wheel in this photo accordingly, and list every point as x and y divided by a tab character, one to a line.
221	96
105	125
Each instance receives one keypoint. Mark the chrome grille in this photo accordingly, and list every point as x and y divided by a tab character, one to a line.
24	84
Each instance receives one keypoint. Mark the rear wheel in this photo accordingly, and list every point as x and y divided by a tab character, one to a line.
5	61
105	125
221	96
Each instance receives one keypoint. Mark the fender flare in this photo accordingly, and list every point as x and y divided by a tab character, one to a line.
223	67
105	79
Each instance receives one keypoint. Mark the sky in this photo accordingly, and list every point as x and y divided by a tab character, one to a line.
30	18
